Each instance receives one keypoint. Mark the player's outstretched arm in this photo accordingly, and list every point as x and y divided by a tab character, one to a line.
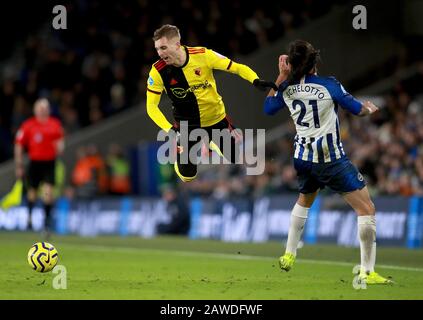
263	85
349	102
367	108
248	74
220	62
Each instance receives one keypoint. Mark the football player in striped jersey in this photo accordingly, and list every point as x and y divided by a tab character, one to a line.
319	157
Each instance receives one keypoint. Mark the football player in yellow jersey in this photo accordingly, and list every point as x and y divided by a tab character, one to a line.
186	74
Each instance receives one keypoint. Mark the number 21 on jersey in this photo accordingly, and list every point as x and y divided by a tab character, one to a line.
303	111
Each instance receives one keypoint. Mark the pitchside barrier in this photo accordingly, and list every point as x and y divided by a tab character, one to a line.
399	219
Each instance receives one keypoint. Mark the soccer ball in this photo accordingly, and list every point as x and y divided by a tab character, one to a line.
42	257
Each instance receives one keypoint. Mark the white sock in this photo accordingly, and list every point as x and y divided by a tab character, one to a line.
367	236
373	257
298	218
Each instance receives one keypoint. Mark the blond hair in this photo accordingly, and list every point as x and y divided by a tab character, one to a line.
169	31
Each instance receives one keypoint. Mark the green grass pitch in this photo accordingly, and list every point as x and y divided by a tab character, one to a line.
170	268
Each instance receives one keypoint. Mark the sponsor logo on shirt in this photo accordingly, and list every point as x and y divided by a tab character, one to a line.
182	93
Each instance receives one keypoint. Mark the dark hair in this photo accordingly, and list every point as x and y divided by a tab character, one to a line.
169	31
303	58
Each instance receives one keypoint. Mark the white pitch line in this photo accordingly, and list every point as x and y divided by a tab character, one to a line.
233	256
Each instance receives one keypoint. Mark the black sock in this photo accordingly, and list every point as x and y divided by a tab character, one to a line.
30	207
47	222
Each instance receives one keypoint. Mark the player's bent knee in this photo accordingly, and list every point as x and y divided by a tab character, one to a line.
366	209
184	175
306	199
186	179
372	208
369	208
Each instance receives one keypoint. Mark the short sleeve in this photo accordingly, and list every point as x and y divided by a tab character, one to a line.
22	135
60	133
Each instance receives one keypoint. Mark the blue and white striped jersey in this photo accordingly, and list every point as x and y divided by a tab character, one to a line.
313	104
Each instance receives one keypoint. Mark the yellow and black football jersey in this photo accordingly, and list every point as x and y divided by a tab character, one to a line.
192	87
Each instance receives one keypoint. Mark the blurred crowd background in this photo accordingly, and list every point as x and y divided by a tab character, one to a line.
101	65
100	68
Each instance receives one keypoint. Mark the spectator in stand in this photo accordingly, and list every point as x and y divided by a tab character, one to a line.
84	176
99	165
118	171
177	208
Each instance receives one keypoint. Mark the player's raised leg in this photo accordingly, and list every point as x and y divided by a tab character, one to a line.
225	140
186	168
360	201
298	219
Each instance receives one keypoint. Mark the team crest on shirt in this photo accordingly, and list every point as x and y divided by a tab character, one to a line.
38	137
360	177
197	71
